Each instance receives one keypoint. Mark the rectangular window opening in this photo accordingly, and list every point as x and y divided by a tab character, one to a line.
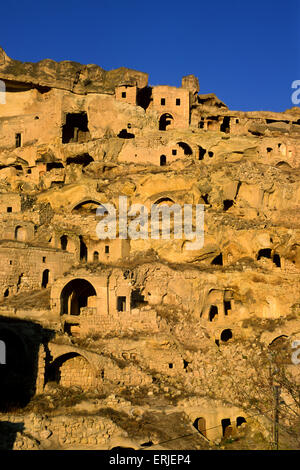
121	304
18	140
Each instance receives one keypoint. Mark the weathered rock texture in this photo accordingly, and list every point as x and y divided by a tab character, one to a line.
118	330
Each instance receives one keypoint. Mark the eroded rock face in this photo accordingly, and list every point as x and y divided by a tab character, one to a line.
136	325
68	75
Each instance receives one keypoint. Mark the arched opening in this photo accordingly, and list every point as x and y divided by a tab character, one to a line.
165	121
75	295
264	253
226	427
200	425
88	207
95	256
279	341
20	233
164	200
240	420
83	249
213	312
226	335
283	165
83	159
71	369
163	160
218	260
186	148
45	278
63	242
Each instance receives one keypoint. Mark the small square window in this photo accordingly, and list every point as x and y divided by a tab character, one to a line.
174	152
44	259
123	94
9	209
177	101
106	248
170	365
163	101
29	171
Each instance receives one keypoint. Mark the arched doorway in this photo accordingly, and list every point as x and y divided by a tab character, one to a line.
75	295
163	160
200	425
45	278
71	369
186	148
20	233
63	242
165	121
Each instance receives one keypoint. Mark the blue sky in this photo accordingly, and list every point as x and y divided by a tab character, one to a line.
246	52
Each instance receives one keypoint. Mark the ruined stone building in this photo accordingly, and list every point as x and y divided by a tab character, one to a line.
144	326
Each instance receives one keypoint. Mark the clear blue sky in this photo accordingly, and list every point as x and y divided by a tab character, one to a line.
247	52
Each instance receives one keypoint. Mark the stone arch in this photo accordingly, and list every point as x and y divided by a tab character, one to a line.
200	425
71	369
283	164
165	121
75	295
164	200
278	339
187	150
86	205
